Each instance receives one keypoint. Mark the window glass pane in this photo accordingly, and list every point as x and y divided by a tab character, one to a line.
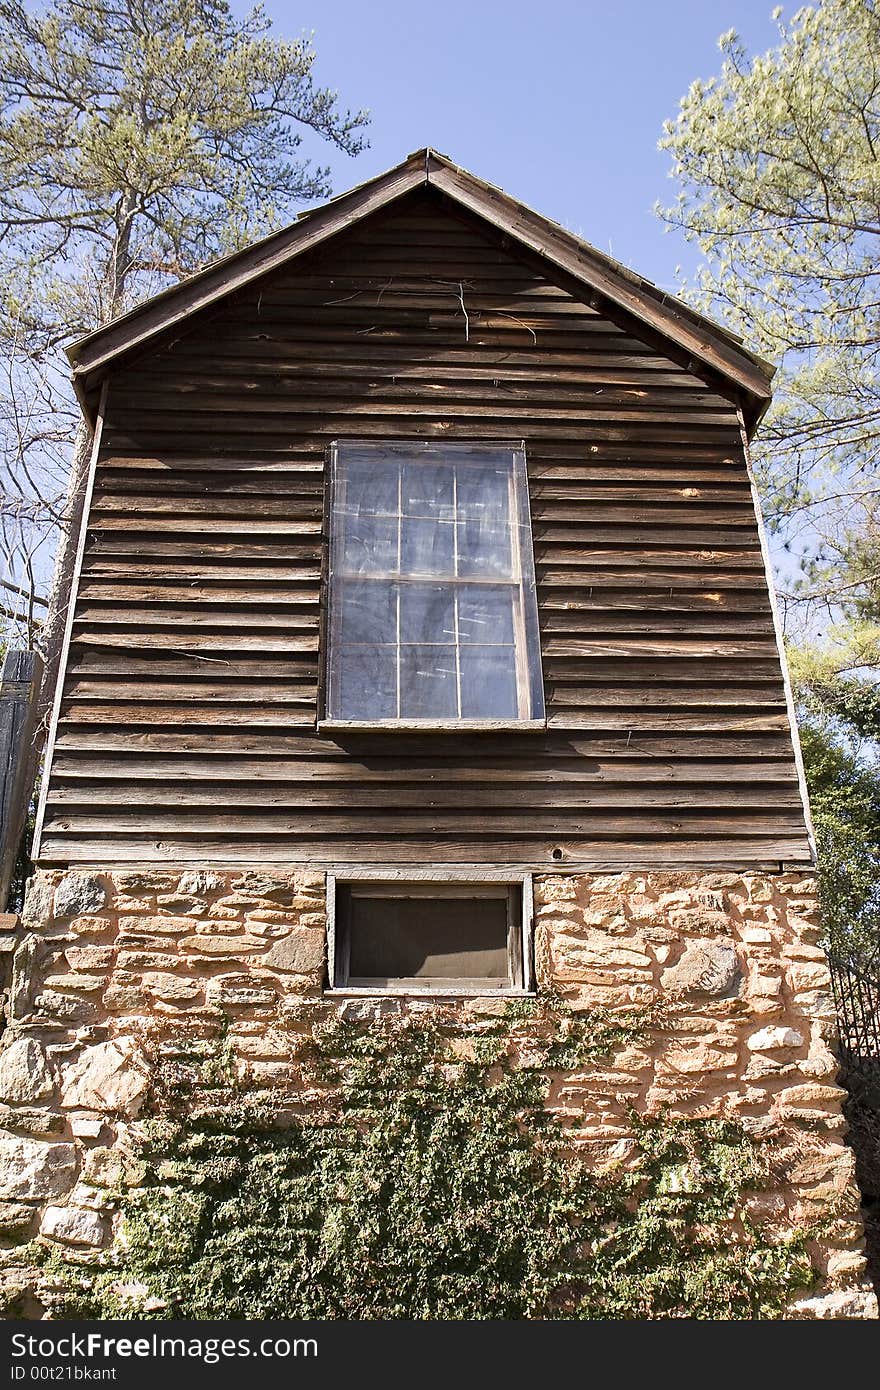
368	612
485	613
488	683
369	545
427	547
428	938
427	613
365	683
433	597
484	549
483	493
370	488
428	685
427	491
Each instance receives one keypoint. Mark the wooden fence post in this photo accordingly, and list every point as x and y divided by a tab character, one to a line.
19	686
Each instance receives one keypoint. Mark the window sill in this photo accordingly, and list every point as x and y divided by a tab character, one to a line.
417	992
432	726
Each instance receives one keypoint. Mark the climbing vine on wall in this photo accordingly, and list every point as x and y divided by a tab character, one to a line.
432	1181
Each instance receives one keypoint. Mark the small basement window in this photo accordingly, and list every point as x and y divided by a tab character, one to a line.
430	937
433	615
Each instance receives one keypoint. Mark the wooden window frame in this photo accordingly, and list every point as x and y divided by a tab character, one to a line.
428	884
527	646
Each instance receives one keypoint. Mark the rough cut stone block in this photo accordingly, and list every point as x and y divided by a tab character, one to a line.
815	1005
147	960
803	975
843	1304
700	921
259	885
706	967
756	935
124	999
171	988
228	947
221	993
78	894
765	986
218	927
181	903
88	926
301	952
155	925
147	881
106	1077
24	964
32	1169
15	1219
802	950
810	1095
695	1060
37	909
31	1120
86	1126
761	1065
768	1039
196	883
104	1167
87	983
25	1074
89	957
53	1007
362	1010
821	1061
74	1226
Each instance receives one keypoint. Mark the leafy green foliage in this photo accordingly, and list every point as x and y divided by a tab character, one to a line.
143	139
139	141
777	161
436	1184
839	719
777	165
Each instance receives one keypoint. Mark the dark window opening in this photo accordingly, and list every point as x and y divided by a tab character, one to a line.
428	936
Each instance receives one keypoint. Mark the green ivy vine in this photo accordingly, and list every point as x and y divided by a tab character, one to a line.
433	1182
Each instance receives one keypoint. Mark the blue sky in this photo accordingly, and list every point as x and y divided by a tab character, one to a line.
561	104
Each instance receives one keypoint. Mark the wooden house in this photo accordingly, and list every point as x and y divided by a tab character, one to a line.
422	566
422	535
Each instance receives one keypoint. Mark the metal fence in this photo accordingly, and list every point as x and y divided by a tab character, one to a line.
856	987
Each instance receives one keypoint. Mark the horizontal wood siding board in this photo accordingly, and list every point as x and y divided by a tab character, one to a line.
577	855
622	769
187	726
349	824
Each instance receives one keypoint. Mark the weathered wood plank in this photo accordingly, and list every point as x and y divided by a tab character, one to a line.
564	799
622	770
506	851
20	676
529	824
749	749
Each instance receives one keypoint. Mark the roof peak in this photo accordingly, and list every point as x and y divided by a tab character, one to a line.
601	277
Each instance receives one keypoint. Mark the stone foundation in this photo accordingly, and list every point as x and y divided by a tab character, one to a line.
115	969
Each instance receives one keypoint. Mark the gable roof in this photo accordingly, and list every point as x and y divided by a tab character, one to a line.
604	279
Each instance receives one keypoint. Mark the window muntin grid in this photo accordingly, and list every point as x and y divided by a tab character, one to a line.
433	614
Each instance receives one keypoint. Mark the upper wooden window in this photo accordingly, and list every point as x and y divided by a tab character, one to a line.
433	616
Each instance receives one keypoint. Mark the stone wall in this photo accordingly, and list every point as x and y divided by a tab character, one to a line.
115	969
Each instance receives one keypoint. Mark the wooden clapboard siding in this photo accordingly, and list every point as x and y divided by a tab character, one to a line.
187	729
